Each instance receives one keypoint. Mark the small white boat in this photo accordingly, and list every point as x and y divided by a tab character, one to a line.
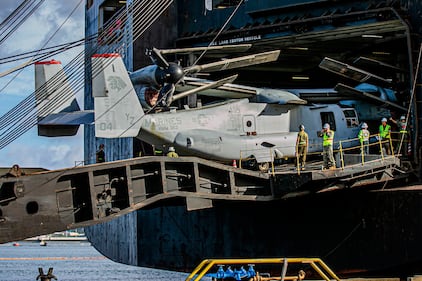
43	243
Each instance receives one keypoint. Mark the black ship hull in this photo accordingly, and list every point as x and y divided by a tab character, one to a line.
369	233
357	232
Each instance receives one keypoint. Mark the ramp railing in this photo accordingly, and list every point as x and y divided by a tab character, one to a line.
276	269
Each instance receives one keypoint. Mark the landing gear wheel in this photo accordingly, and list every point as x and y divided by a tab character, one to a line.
264	167
252	164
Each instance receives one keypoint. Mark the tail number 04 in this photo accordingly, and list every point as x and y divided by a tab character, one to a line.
104	126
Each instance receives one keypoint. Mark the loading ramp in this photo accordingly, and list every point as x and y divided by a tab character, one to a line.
49	201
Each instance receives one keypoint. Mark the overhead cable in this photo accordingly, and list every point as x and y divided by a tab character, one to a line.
18	22
17	128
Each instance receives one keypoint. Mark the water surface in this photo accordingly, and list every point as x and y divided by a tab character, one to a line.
71	261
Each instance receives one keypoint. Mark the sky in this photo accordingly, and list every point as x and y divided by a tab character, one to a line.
31	150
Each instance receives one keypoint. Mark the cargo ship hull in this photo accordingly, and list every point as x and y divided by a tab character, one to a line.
355	231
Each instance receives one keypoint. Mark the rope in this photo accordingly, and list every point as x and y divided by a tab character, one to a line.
411	96
20	19
12	120
219	32
345	238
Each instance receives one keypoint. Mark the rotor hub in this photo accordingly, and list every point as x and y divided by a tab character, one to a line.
174	73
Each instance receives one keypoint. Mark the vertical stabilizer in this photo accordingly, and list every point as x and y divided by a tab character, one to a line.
53	92
118	112
55	99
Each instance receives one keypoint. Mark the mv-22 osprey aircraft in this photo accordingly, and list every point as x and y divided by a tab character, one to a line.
258	124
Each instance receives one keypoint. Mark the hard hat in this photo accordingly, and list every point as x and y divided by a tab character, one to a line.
364	125
301	127
171	148
384	119
402	117
326	126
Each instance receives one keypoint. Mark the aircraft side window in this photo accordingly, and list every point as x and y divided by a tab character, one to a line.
189	142
351	118
249	124
328	117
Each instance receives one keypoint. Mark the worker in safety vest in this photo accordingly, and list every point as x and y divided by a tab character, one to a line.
172	152
100	154
157	151
384	131
402	126
301	147
364	139
327	146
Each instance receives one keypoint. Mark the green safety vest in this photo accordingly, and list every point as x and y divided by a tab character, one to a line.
328	140
385	132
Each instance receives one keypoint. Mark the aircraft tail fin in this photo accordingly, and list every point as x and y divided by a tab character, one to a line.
53	96
50	82
118	112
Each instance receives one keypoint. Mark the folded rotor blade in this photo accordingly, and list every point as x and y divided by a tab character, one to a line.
215	84
235	62
224	48
159	59
354	93
351	72
376	65
25	64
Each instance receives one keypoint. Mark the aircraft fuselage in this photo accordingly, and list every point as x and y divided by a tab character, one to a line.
237	129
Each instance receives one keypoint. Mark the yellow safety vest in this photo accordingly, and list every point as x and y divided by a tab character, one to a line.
328	140
363	135
385	132
172	154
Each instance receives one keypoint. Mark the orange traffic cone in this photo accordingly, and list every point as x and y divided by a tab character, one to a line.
234	164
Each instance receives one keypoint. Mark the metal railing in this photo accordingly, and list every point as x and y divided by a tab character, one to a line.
342	147
203	269
379	142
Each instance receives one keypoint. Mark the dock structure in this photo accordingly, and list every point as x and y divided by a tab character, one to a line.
45	202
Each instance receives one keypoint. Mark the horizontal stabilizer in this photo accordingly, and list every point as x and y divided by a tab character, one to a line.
69	118
118	112
64	123
57	130
354	93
